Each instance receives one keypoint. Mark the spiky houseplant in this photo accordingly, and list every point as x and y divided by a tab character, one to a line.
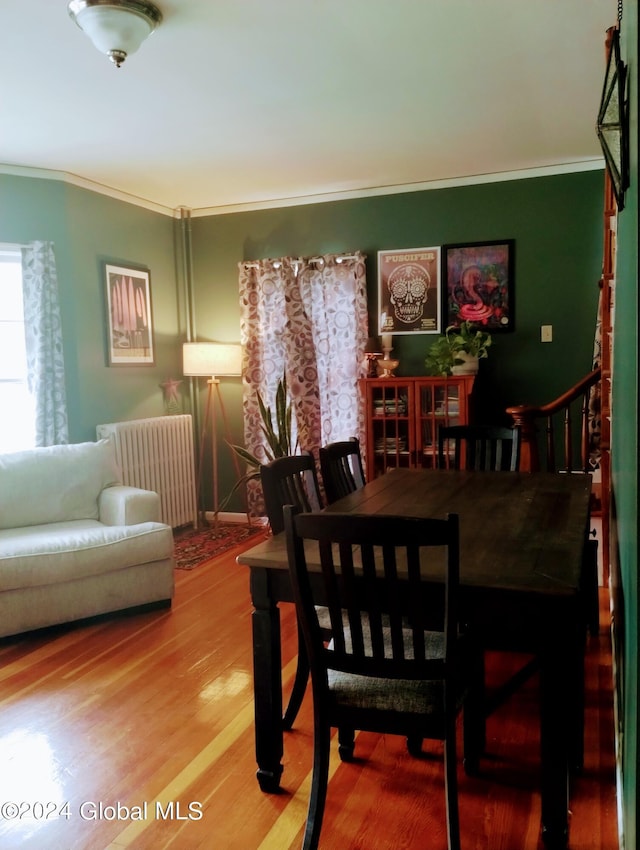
278	436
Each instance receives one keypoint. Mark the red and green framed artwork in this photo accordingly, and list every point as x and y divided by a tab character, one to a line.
478	284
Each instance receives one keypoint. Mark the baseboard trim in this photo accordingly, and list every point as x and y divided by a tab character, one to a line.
231	516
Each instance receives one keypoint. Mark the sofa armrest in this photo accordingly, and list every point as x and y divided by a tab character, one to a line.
122	505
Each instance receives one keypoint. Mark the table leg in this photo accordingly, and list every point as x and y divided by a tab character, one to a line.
267	684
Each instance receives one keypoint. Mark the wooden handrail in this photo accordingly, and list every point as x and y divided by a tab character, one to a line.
525	416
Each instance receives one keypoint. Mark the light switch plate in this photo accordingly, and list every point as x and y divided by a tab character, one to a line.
546	333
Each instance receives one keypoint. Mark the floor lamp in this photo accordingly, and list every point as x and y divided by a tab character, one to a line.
211	360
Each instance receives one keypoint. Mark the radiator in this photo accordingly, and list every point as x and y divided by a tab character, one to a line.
157	454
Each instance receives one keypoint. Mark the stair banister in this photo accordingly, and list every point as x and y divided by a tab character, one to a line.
524	418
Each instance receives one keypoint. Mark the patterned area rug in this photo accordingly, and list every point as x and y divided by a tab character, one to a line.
193	547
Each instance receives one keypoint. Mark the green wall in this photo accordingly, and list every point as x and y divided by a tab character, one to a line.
557	226
556	223
624	454
88	228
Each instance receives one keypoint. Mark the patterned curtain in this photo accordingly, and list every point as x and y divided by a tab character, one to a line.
306	319
43	333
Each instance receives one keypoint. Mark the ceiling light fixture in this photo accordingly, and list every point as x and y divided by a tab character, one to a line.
116	27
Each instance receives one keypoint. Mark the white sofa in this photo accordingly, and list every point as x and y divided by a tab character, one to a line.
75	543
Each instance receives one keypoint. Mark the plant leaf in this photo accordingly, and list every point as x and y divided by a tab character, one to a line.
265	415
273	442
282	418
246	456
250	476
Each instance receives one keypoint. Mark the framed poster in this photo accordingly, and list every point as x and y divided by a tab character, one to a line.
409	291
478	282
129	320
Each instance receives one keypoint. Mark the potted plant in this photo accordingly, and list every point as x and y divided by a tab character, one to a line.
458	351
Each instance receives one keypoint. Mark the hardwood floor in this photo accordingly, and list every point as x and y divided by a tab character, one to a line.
157	709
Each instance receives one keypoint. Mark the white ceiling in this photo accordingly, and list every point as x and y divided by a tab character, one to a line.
240	102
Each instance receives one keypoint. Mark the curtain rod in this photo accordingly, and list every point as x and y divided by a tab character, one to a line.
13	246
340	258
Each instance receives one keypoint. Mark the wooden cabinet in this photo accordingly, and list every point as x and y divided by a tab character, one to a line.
403	416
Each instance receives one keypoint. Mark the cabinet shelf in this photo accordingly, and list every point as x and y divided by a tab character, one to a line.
399	418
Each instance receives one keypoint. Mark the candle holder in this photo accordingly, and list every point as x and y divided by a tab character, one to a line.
387	365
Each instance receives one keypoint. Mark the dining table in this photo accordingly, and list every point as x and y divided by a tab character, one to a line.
523	538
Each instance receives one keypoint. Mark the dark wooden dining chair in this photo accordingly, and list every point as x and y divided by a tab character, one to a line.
497	449
292	480
483	448
377	674
341	468
486	448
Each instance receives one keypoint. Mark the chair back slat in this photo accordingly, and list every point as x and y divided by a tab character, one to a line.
389	599
413	571
330	575
380	605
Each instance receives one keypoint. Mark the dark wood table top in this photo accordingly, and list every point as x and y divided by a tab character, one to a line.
519	532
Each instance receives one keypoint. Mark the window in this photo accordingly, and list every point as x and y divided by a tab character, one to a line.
17	421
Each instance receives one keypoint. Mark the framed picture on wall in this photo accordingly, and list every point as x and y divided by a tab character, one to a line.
478	284
129	319
409	291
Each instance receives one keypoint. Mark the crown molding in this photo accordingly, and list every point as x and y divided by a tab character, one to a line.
374	191
303	200
83	183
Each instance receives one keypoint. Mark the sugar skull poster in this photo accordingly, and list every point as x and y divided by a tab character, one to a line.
409	291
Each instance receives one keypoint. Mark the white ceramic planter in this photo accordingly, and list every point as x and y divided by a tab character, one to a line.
468	367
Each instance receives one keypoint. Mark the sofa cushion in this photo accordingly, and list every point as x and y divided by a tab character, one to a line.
56	483
47	554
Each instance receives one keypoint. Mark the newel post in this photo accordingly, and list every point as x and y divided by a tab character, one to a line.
524	420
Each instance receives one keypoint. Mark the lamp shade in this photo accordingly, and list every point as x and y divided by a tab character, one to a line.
211	359
116	27
372	345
